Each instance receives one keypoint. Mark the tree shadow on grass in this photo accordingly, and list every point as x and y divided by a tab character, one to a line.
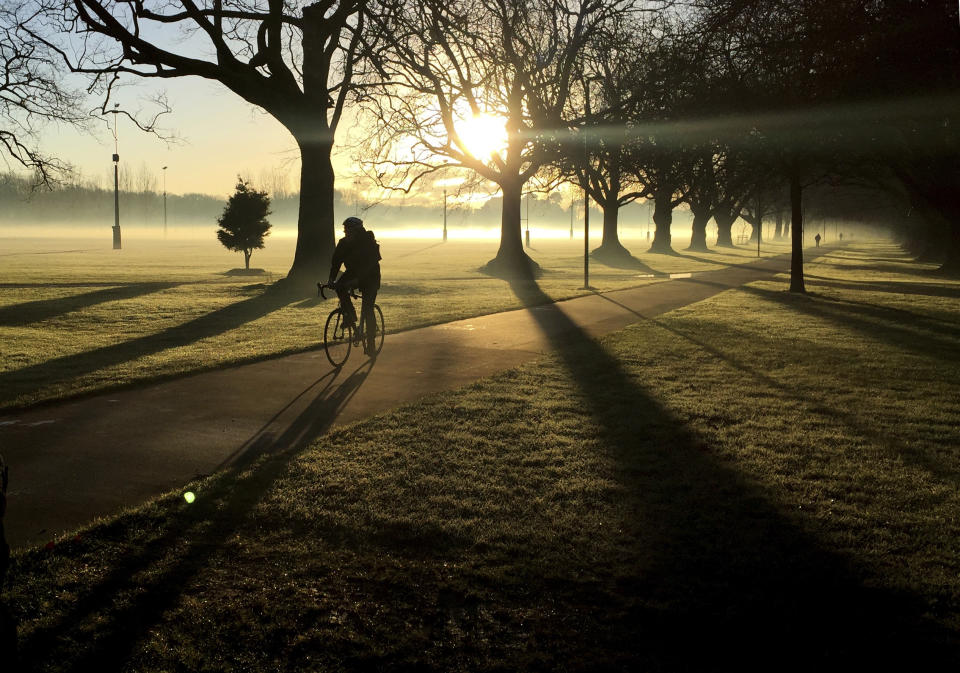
420	250
621	258
906	287
56	370
29	312
908	332
852	420
107	621
752	264
725	580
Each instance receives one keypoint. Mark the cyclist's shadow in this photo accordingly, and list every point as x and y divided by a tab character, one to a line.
317	417
198	533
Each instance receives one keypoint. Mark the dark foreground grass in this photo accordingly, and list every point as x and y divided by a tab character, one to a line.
757	482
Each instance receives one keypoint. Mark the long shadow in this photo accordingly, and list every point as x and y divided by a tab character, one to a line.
95	635
924	289
624	260
36	311
726	580
881	323
49	252
808	256
211	324
851	420
419	250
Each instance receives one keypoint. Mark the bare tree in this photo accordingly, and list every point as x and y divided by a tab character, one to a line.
145	179
449	61
32	95
293	59
614	65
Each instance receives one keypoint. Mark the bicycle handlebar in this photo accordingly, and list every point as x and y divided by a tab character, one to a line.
325	286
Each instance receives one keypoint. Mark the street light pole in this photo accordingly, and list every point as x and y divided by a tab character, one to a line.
586	193
759	223
528	220
116	180
164	201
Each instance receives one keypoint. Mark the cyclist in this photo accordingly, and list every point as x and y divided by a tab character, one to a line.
359	253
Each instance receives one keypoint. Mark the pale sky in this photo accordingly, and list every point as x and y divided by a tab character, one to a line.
220	134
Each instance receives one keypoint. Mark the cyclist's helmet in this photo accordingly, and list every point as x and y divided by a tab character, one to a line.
352	224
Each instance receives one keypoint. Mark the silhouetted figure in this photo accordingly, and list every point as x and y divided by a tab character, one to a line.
817	239
841	235
359	253
8	627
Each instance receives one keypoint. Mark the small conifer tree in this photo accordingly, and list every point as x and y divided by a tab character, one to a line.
243	224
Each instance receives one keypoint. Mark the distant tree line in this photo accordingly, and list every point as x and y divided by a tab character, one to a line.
85	202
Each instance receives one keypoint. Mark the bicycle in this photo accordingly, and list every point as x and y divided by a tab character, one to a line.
339	339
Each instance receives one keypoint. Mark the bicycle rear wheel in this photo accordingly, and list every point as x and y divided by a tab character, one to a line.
378	337
361	336
337	339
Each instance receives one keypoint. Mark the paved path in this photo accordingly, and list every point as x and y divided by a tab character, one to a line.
78	460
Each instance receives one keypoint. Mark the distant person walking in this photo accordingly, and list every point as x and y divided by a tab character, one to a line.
841	235
359	253
817	239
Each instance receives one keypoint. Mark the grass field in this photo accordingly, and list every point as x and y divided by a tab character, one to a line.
78	317
759	481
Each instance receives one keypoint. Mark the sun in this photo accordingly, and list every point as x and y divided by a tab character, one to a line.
483	135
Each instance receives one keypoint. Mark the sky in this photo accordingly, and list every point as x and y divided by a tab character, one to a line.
218	136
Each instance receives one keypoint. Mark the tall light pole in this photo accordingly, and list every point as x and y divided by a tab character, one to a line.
586	182
759	222
116	179
528	220
164	201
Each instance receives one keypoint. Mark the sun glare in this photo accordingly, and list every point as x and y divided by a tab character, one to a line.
483	135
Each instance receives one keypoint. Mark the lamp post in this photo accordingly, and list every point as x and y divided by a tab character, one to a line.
164	201
116	179
759	223
528	221
586	193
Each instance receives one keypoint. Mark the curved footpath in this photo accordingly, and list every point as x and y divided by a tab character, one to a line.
90	457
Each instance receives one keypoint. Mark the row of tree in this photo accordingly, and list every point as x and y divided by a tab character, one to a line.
734	106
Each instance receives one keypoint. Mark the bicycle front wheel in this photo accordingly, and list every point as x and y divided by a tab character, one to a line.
337	339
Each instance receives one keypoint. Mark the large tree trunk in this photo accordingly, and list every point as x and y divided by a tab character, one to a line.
951	265
933	187
511	261
246	259
662	219
698	239
307	120
611	250
724	222
796	216
315	225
